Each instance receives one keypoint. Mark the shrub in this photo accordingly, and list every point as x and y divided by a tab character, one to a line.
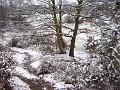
68	18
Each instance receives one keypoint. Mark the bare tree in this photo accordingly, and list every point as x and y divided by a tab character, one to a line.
77	16
58	26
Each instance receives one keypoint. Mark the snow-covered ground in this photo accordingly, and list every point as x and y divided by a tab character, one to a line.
59	85
21	52
22	72
36	59
79	51
18	84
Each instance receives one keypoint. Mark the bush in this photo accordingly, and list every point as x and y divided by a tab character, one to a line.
46	68
2	24
68	18
108	51
6	61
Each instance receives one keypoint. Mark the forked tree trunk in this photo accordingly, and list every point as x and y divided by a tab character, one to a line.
57	21
72	46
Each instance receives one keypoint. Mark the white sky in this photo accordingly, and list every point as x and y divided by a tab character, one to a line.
35	1
72	0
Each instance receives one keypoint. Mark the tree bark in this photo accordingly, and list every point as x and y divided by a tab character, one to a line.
72	46
57	21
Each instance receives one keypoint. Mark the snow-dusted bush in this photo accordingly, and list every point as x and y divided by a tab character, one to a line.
46	68
68	18
67	70
17	18
15	83
108	51
33	40
2	47
73	73
108	78
6	61
92	45
2	24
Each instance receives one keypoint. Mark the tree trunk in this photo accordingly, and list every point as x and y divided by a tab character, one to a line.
72	46
60	42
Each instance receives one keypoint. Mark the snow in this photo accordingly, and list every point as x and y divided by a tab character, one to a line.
60	85
18	84
6	38
80	39
57	84
24	73
79	46
19	57
33	53
36	64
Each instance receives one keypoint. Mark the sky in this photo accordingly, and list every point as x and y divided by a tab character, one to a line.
72	0
35	1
